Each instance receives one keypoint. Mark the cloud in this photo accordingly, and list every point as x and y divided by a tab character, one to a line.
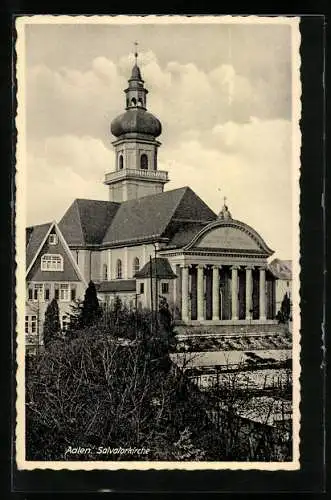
61	169
67	101
251	166
220	130
249	163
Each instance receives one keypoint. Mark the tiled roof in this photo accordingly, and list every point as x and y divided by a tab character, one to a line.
86	221
34	238
160	269
150	216
281	269
117	286
181	233
177	214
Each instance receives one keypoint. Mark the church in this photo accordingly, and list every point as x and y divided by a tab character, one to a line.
147	242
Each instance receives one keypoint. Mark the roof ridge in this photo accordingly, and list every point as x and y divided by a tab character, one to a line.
98	201
185	188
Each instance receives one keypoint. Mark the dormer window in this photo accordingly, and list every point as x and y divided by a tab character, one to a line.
52	240
52	262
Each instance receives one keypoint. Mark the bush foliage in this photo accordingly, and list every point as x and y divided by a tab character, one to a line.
112	384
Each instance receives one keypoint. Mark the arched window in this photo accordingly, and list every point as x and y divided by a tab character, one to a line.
135	266
119	269
104	272
120	162
144	162
155	159
133	101
140	102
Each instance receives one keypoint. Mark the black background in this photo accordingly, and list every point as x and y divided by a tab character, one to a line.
311	477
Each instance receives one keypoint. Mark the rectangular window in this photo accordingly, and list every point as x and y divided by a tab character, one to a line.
64	292
31	324
30	293
52	262
38	292
52	239
165	288
73	294
56	293
142	288
47	293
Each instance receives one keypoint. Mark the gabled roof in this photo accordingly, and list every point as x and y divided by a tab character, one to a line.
35	235
86	221
160	269
281	269
36	241
150	216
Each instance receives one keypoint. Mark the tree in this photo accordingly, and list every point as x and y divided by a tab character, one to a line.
52	326
286	307
91	311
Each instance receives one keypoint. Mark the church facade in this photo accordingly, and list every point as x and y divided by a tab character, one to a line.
147	242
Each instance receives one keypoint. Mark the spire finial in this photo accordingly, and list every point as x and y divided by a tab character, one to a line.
225	198
136	51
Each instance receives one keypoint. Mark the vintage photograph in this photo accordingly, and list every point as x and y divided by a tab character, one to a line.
157	242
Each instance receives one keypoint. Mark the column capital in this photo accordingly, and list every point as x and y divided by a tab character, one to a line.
201	266
184	266
249	267
216	266
235	267
262	267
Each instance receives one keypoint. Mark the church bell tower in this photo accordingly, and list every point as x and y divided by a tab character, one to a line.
136	173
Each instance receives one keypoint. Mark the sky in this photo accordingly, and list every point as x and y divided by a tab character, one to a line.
221	91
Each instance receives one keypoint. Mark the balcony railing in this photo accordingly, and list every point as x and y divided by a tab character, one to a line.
160	175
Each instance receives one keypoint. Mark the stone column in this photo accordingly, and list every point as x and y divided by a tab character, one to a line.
174	296
216	293
234	286
185	296
262	294
200	293
249	291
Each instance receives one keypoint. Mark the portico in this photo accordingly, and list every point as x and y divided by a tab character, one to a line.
222	275
225	293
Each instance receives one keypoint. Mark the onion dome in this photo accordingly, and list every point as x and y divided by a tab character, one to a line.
136	118
137	121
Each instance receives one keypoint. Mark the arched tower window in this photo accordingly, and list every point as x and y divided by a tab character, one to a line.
133	101
144	162
140	102
104	272
119	269
155	159
120	162
135	266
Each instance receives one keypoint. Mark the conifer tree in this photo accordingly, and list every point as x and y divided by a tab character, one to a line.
286	307
91	310
52	326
